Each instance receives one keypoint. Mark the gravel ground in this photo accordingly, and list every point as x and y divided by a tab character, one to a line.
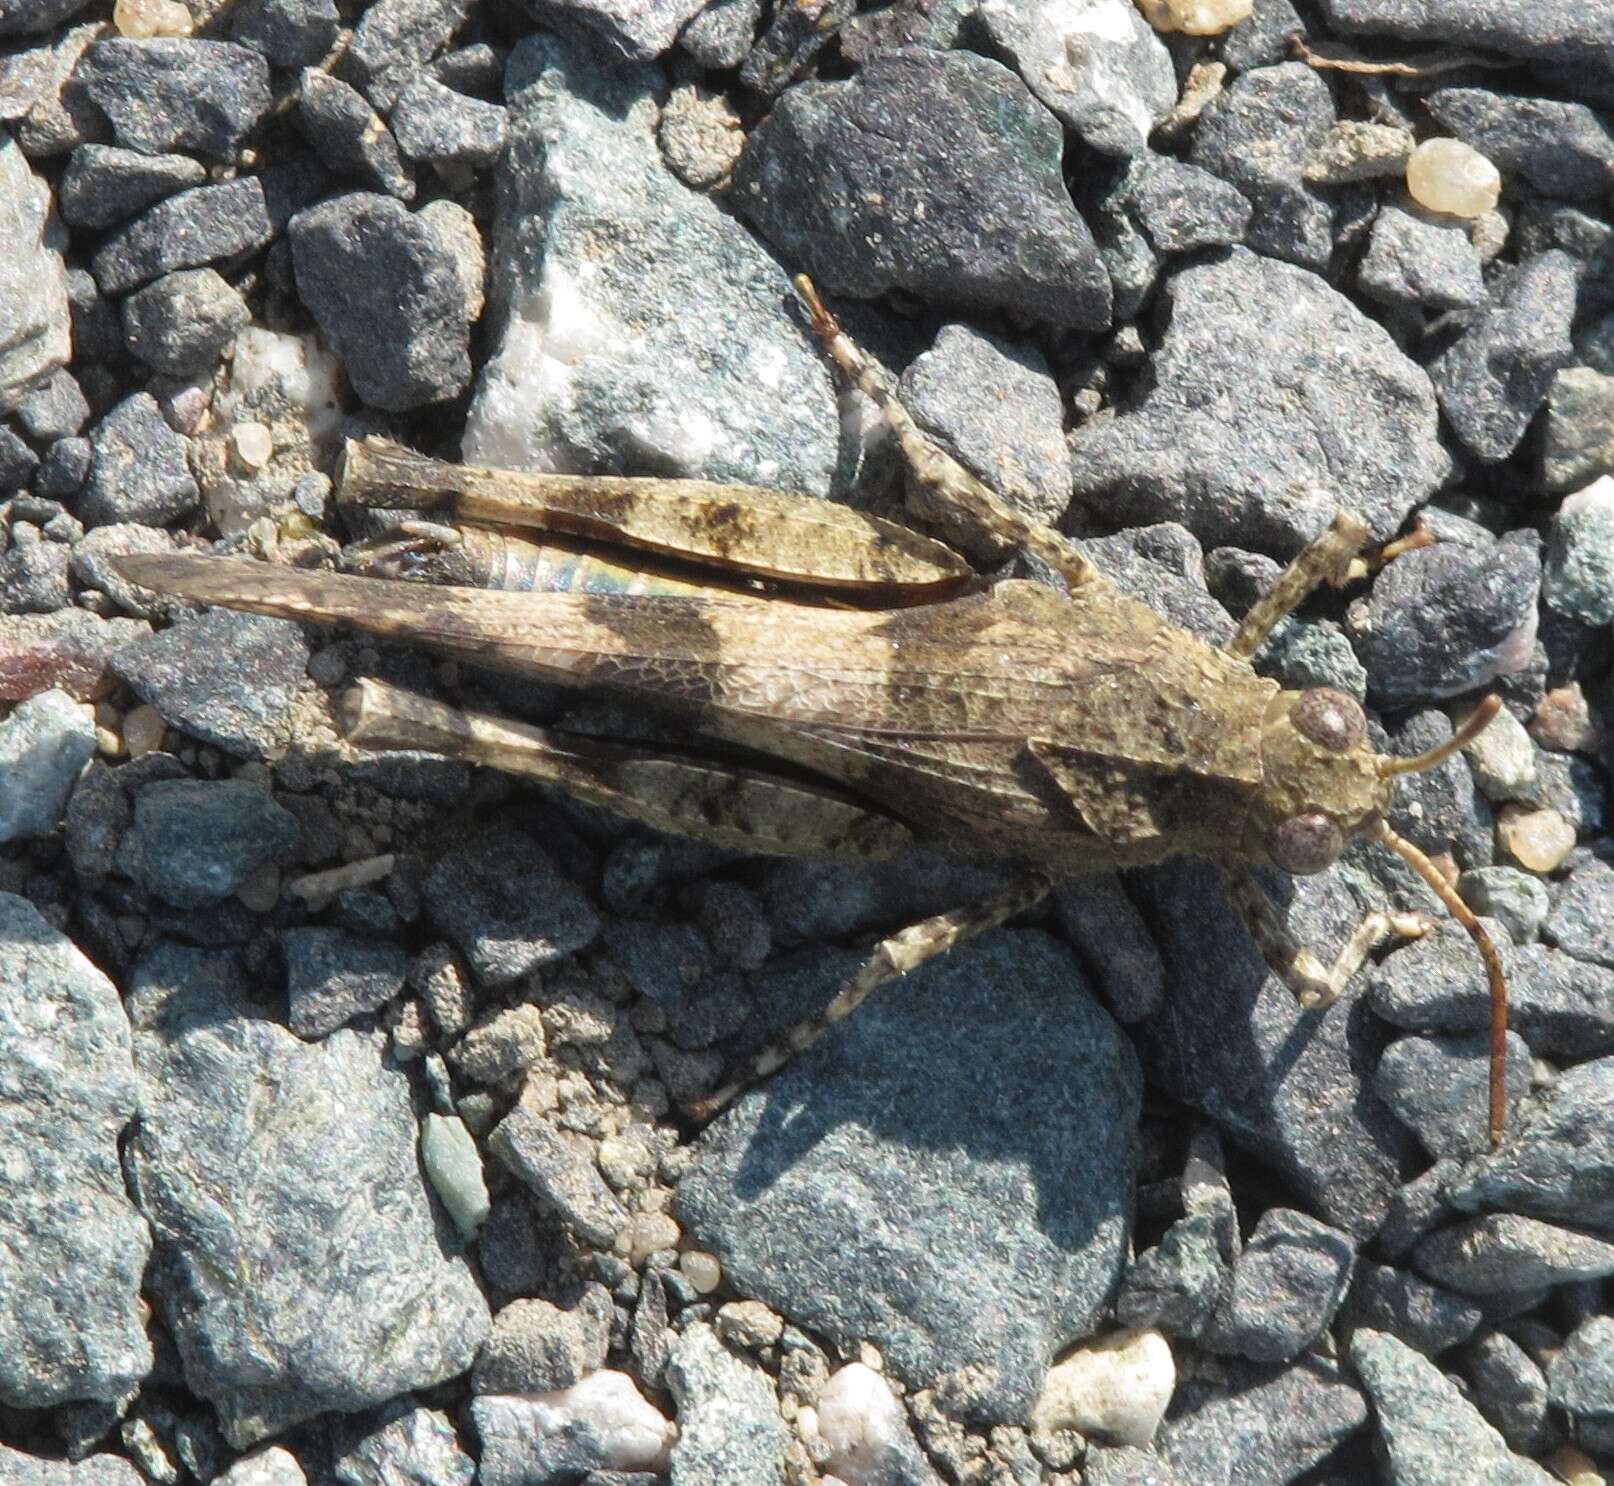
339	1131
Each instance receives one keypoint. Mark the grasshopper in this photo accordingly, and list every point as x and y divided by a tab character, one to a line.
891	695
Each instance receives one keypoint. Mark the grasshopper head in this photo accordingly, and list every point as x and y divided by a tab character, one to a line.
1322	784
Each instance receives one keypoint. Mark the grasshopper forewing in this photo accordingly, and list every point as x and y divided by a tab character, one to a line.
1057	733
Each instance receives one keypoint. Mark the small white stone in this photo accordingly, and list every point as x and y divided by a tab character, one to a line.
1446	175
1503	759
645	1234
143	19
861	1421
1117	1388
1195	17
453	1165
274	1466
253	445
628	1432
701	1270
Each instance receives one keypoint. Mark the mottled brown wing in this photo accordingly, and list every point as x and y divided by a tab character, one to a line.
973	666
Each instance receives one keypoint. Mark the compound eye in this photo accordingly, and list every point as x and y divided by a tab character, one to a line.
1330	718
1304	844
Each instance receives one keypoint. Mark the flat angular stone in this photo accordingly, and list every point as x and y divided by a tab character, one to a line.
284	1183
207	224
71	1323
974	213
850	1140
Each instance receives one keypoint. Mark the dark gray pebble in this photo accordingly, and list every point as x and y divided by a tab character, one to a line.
435	124
348	135
138	469
104	184
195	841
333	976
973	213
181	323
207	224
221	676
383	285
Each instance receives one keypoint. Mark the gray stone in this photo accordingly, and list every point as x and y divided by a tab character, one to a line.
1578	571
383	285
98	813
1558	1004
1305	653
393	41
1432	1435
409	1444
1097	64
195	841
664	962
1437	1087
1574	31
558	1166
1416	1209
1287	1284
71	1322
1577	440
1182	208
973	214
286	33
138	469
333	976
1266	483
593	225
729	1429
1580	1378
1175	1286
1258	135
1425	1316
1504	1253
1562	149
1516	899
1582	919
438	125
18	1469
55	409
105	184
1162	566
721	34
33	579
1511	1391
1283	1083
350	138
44	744
1447	619
500	899
224	677
181	323
1492	380
850	1139
284	1185
176	92
1356	150
537	1347
207	224
1421	258
1559	1165
1113	942
995	407
1259	1425
1126	1465
35	326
